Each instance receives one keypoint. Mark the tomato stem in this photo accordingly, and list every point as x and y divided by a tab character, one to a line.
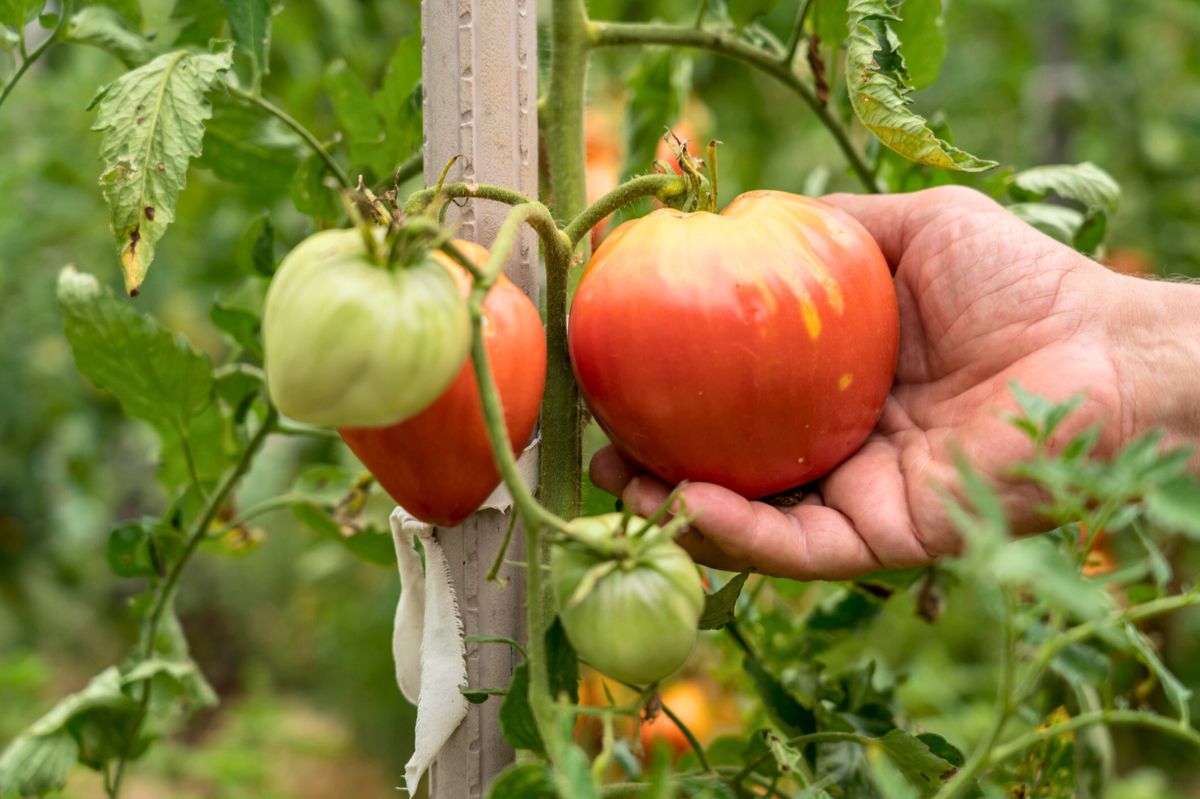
711	160
661	186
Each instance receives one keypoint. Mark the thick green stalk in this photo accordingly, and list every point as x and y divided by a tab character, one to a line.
562	449
611	34
661	186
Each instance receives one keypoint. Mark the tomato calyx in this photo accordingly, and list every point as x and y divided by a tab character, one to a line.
700	174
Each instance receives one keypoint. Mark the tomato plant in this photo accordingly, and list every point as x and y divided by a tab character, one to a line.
438	464
780	303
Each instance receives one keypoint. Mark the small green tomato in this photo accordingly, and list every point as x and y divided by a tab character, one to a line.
637	621
351	343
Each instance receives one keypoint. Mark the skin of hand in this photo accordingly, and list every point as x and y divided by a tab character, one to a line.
985	300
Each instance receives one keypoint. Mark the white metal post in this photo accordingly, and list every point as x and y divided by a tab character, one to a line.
479	60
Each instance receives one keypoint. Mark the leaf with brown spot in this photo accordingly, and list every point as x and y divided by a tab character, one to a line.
152	115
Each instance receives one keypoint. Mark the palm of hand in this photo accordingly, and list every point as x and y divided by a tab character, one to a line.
985	301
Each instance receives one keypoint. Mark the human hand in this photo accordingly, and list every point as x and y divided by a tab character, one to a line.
985	301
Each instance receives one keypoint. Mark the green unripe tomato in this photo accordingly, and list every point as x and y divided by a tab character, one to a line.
639	622
350	343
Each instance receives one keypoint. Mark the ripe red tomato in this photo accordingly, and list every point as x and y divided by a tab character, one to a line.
438	464
752	348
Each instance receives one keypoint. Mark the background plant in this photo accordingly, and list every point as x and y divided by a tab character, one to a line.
1024	84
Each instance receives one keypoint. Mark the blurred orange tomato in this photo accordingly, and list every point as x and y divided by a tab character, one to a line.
702	708
604	159
1129	261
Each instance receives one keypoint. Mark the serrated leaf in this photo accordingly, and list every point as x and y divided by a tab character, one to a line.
250	24
243	145
103	27
516	717
719	606
1037	565
923	34
658	85
153	124
155	375
915	760
877	82
1083	183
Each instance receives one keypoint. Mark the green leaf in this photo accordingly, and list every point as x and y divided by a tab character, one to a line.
784	709
16	13
562	663
241	325
743	12
658	85
1038	566
516	717
923	35
155	375
1083	183
843	610
198	21
526	781
1057	221
719	607
879	89
256	247
359	118
831	21
105	28
398	100
35	765
313	191
1179	695
153	123
575	775
250	24
244	145
129	549
1175	506
915	760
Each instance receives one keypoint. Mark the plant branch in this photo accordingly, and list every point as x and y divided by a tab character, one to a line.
691	739
797	32
165	593
312	141
661	186
964	778
418	201
616	34
1135	718
28	59
1083	632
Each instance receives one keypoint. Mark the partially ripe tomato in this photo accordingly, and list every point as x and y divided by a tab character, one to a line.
694	703
752	348
438	465
348	341
638	621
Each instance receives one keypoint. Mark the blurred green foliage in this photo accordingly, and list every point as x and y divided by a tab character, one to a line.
294	633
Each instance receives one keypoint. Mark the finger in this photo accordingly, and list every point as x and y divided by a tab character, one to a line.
610	471
706	553
894	219
807	542
645	494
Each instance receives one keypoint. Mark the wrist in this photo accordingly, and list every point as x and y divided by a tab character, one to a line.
1154	333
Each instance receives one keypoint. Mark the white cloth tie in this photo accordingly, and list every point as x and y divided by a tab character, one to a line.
427	640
